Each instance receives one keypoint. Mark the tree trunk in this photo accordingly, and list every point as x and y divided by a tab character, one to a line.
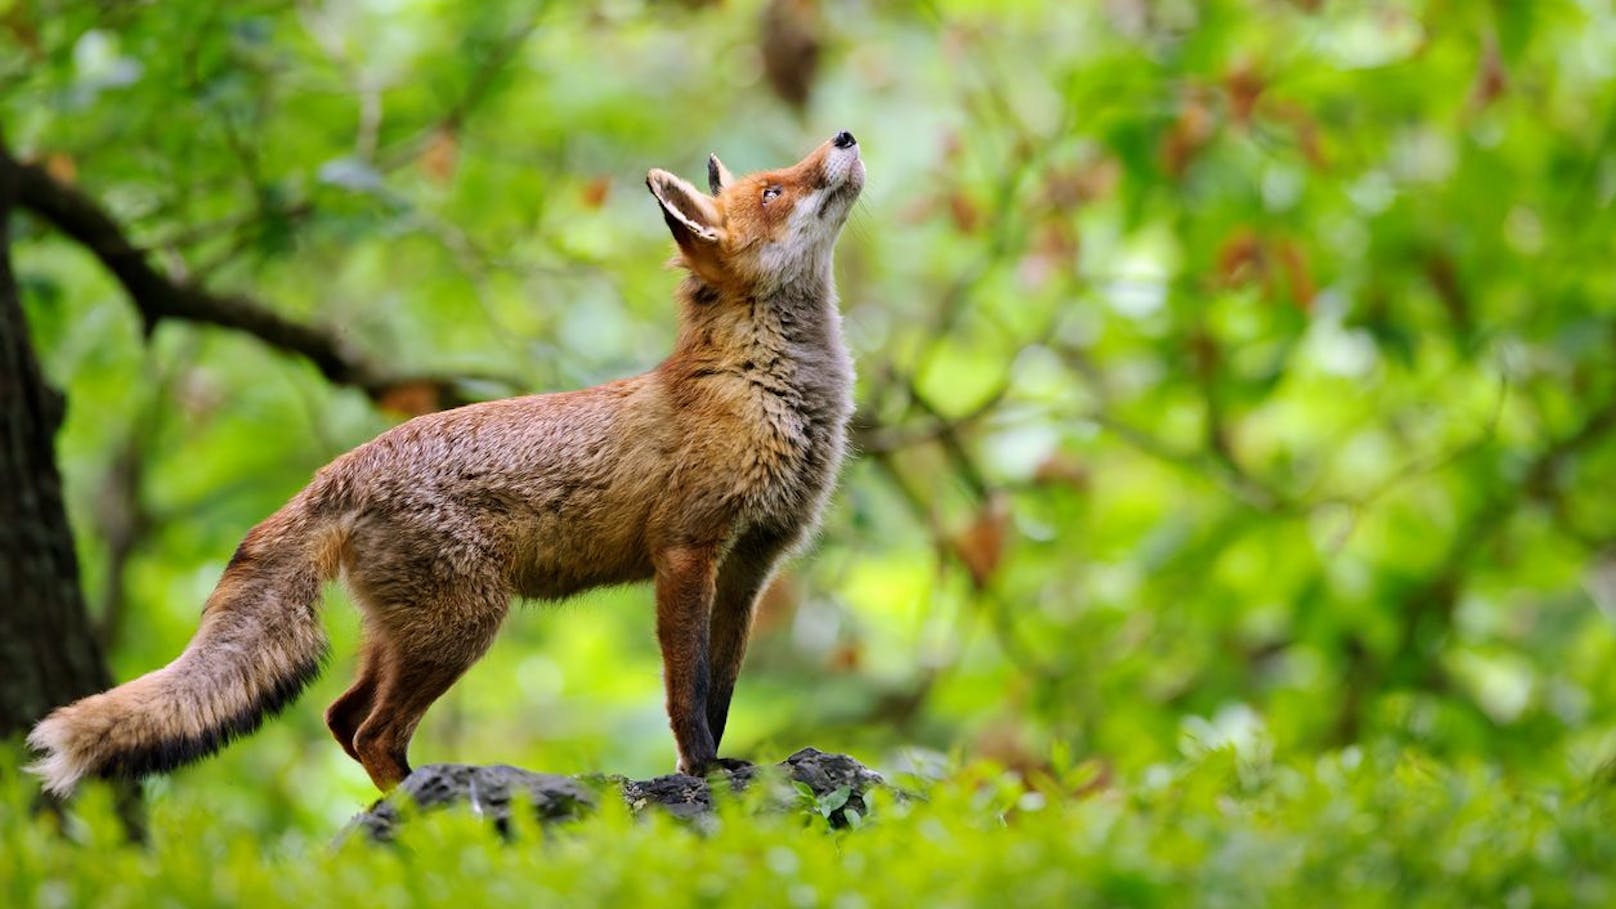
47	643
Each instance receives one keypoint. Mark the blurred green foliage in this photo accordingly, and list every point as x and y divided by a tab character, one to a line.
1228	372
1220	829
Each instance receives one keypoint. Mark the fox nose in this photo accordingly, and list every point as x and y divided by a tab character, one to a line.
844	139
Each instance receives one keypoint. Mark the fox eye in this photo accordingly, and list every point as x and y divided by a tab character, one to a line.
770	192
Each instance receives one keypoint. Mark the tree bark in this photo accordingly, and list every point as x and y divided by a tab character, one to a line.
47	643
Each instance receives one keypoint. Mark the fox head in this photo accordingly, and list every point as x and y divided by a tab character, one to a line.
765	228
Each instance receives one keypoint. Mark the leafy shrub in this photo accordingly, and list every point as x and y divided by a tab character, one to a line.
1216	829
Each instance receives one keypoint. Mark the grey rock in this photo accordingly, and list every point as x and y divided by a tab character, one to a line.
827	774
488	791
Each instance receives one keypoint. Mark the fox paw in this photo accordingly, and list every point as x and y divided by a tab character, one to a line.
715	765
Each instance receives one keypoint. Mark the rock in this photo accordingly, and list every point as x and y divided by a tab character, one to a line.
486	789
827	774
489	791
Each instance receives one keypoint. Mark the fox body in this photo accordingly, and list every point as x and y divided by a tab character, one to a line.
700	474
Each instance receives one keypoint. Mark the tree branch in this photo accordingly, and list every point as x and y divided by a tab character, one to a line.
158	296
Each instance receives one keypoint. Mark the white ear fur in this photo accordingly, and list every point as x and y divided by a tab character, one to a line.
688	211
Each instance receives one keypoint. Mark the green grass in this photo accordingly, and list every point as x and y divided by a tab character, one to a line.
1351	828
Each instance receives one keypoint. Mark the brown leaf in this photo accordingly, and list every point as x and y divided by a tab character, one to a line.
1444	278
1005	741
1062	469
1070	187
791	42
594	193
1054	252
411	398
981	546
1240	258
1058	239
847	657
1492	80
22	29
919	210
1244	86
777	605
1307	135
62	166
1307	132
1205	354
1187	136
964	212
1293	260
440	156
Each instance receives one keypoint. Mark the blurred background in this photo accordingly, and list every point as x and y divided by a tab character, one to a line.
1235	373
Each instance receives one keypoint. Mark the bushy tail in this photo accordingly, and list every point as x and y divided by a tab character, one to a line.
259	645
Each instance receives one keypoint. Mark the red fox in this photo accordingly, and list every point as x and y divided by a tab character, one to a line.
700	474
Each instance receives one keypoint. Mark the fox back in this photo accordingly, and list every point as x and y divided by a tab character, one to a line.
702	473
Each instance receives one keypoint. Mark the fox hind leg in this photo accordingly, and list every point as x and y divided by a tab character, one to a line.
354	705
418	661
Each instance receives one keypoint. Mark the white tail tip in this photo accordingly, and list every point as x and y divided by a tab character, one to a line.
57	767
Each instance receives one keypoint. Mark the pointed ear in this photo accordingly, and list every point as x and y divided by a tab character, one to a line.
687	209
692	217
718	176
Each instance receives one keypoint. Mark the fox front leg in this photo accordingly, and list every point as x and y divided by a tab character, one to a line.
686	579
741	579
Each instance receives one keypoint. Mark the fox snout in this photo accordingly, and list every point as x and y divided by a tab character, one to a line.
841	165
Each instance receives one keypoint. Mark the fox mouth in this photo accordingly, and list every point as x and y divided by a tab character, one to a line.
843	178
838	201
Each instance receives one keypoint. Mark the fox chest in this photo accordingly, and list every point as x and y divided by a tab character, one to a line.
775	455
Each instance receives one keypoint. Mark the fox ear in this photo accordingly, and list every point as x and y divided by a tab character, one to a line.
692	217
687	209
718	176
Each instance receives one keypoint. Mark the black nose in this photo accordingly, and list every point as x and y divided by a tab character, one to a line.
844	139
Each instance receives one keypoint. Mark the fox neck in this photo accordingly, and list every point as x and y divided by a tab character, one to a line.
797	316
